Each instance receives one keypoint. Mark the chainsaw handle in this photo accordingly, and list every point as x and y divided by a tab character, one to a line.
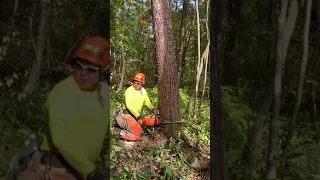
155	111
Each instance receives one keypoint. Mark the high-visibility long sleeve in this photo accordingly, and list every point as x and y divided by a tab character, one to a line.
130	105
66	142
77	124
136	99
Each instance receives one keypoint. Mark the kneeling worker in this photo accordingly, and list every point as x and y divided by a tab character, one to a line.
135	98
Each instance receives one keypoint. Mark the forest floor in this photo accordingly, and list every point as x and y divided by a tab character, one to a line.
158	157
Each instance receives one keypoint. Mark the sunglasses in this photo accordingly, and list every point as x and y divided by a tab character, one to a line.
137	83
85	67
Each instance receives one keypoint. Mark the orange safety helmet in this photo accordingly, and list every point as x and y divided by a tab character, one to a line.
95	50
140	77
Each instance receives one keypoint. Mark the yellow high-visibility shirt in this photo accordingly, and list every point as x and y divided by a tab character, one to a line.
135	99
78	124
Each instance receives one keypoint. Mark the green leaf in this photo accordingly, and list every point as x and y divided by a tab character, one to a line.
127	172
9	81
15	76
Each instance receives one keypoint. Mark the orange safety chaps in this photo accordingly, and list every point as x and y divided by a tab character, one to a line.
131	129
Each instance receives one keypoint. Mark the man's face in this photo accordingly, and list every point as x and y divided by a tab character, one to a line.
87	75
137	85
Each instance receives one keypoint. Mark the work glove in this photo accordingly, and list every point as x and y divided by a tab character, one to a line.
155	111
97	174
140	120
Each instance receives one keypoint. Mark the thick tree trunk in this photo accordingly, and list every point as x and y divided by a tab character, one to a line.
223	15
219	166
235	37
169	101
272	165
302	74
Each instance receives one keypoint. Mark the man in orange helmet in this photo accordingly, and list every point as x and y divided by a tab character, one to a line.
131	120
78	120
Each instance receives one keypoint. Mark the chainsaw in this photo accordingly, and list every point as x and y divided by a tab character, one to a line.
153	120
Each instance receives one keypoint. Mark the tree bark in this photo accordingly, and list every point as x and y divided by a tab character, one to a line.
272	166
169	101
219	167
302	74
223	15
318	18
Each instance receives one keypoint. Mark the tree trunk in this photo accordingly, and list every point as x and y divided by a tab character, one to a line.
313	94
223	13
262	111
272	166
205	55
200	62
289	27
15	7
256	130
123	69
183	63
33	78
182	46
257	127
169	101
318	18
219	167
302	74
